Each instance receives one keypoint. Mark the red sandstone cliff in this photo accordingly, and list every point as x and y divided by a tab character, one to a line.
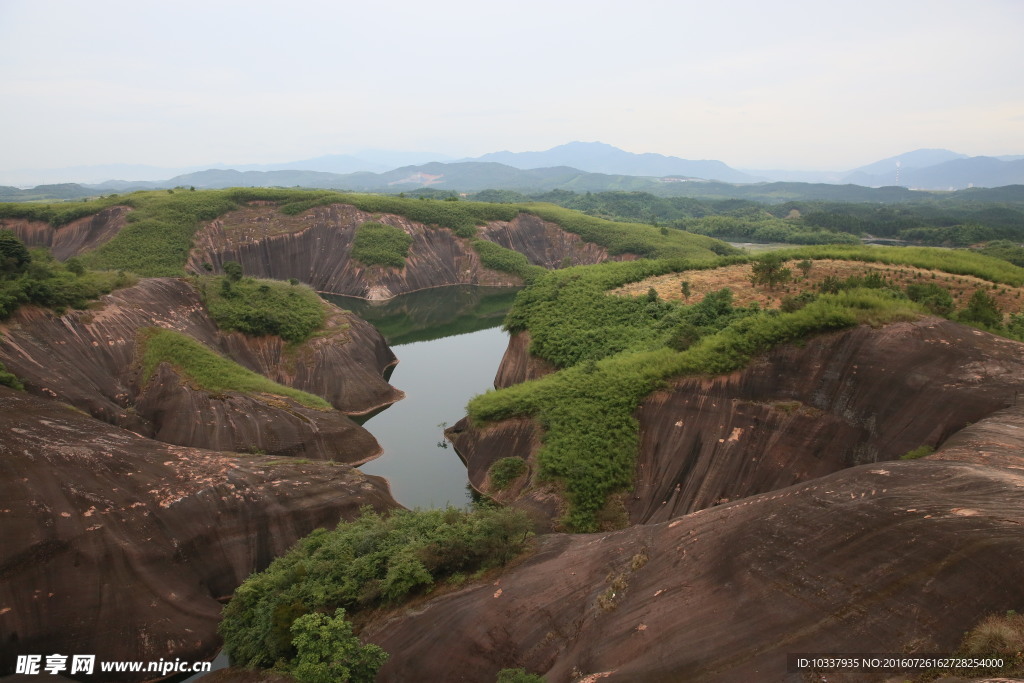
74	238
88	359
314	248
798	412
893	557
119	546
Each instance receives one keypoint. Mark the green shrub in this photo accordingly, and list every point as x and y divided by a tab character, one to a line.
506	470
918	452
518	676
209	370
9	379
377	244
981	309
327	651
260	307
936	299
371	561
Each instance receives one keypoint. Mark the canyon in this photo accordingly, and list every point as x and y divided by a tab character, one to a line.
770	511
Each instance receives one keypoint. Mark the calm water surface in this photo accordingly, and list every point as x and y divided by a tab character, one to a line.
449	344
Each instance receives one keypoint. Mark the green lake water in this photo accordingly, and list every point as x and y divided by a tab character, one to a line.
449	343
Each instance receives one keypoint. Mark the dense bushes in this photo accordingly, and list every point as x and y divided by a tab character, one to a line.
32	276
372	561
209	370
376	244
259	307
613	351
506	470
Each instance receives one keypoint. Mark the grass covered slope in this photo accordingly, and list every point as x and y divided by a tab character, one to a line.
209	370
613	351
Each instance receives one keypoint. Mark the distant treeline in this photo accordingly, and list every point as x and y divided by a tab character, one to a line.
954	220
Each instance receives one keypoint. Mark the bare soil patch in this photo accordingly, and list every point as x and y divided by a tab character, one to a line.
737	278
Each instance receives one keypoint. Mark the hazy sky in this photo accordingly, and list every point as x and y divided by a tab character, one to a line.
784	84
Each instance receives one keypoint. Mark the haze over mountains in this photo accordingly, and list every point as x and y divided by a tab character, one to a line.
578	166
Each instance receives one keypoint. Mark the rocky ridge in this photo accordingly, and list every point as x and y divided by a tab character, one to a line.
120	546
797	413
77	237
314	248
880	557
89	359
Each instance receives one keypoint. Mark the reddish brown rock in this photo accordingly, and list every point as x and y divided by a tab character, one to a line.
798	412
74	238
314	247
893	557
543	243
517	365
119	546
89	359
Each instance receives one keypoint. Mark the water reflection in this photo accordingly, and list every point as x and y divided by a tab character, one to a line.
449	344
433	313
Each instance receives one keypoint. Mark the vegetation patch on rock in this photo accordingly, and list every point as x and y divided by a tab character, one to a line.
32	276
210	371
370	562
377	244
293	312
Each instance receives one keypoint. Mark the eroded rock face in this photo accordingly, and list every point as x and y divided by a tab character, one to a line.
517	365
893	557
860	396
799	412
543	243
89	359
120	546
315	246
74	238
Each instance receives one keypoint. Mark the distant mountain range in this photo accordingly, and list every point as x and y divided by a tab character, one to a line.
577	166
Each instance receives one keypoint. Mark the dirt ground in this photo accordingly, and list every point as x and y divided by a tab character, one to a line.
737	278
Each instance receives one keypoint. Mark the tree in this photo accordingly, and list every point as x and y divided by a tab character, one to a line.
982	309
74	265
14	257
233	269
684	287
652	294
804	266
768	271
329	652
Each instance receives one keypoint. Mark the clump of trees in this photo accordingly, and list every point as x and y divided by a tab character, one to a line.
32	276
288	616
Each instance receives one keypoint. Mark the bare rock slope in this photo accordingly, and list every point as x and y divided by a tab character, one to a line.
81	235
89	359
893	557
119	546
